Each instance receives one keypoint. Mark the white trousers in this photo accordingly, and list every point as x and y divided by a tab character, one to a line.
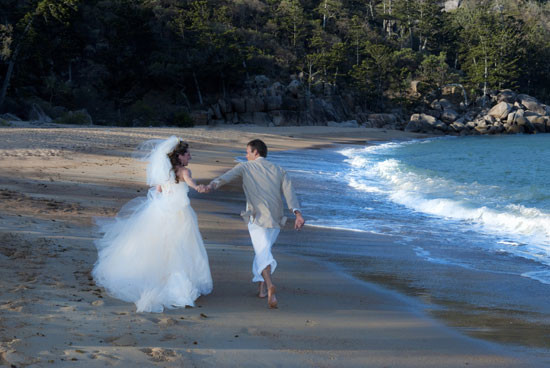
262	240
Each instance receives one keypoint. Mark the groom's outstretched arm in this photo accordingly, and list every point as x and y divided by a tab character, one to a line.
228	177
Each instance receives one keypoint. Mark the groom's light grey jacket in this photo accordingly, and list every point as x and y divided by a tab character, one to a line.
264	185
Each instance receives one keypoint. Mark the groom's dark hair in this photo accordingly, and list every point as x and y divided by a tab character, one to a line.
258	145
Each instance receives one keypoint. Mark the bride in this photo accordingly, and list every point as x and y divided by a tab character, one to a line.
152	252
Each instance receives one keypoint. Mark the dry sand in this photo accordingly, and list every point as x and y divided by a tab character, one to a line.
53	180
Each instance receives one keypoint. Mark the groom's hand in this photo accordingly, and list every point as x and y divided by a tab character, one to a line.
299	221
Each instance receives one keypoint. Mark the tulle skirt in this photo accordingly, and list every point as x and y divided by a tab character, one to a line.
152	253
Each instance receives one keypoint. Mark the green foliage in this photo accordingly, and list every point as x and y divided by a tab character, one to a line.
290	19
6	40
491	47
74	117
435	72
183	120
110	56
372	76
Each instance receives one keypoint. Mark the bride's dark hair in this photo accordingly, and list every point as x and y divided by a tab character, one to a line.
181	149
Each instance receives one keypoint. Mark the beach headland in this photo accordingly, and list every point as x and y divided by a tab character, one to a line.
53	182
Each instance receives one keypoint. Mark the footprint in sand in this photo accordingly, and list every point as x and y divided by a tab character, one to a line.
105	357
160	354
13	306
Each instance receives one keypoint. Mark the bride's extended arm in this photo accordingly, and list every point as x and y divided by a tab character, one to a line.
186	173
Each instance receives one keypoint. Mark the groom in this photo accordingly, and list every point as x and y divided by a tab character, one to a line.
264	184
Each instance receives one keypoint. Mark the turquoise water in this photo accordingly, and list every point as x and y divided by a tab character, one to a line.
480	203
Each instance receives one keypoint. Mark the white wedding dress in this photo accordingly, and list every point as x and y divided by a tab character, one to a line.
152	252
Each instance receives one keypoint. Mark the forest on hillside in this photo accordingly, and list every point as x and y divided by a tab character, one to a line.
148	62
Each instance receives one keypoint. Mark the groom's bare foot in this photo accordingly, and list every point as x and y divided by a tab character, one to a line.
262	291
271	298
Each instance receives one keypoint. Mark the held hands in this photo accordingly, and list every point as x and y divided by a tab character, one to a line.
204	188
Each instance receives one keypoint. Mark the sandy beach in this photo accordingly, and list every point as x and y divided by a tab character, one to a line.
54	180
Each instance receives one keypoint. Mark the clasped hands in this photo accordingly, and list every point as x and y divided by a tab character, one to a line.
201	188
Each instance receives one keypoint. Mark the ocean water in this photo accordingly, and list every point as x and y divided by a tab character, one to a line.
476	203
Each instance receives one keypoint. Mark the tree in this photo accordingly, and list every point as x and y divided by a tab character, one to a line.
329	9
435	72
47	10
490	48
291	20
357	33
372	76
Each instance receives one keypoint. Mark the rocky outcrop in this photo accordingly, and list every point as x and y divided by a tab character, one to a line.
270	103
273	104
510	114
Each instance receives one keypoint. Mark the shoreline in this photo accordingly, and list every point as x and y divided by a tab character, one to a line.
53	184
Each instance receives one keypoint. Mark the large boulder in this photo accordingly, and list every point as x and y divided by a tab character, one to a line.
511	118
442	104
514	129
532	104
257	118
321	111
519	119
435	113
507	95
290	103
238	105
449	115
421	123
294	87
225	106
496	129
439	125
254	104
379	120
285	117
526	125
276	89
273	103
481	129
457	126
232	118
539	122
501	110
489	120
261	81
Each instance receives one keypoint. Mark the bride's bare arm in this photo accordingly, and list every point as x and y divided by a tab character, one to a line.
186	173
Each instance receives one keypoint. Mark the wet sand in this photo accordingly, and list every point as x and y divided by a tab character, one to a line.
54	180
